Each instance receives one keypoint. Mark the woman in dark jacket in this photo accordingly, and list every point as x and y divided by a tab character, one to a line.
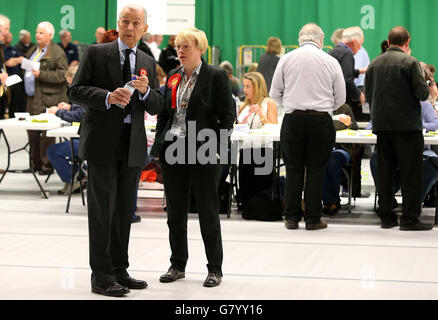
197	98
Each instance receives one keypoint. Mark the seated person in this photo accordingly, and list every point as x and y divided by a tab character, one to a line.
341	156
430	171
260	110
60	154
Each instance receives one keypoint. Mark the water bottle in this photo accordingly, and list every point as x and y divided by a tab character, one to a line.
130	87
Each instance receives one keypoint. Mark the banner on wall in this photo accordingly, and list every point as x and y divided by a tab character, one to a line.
165	16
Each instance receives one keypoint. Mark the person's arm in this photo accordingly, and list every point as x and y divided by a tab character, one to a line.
347	65
225	106
277	86
12	62
418	82
73	115
153	99
272	116
339	91
430	118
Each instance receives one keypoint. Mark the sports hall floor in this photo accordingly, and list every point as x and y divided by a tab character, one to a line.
44	251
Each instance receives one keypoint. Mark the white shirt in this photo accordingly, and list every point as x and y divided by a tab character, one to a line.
155	50
361	60
308	79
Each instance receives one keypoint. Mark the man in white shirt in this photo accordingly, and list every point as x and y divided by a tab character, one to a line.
155	46
309	84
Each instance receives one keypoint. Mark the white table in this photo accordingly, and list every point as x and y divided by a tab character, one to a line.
50	122
272	134
70	133
343	136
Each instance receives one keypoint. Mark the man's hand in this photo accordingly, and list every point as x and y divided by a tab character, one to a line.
53	109
36	73
345	119
3	77
141	84
362	99
363	70
120	96
64	106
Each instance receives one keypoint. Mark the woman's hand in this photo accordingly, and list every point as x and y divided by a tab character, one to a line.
255	108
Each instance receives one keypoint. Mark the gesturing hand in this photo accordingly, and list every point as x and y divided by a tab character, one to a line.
141	84
120	96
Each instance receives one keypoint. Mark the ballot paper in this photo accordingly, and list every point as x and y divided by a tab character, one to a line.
11	80
28	65
243	114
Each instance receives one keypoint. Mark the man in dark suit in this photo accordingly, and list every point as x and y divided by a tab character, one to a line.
394	86
344	52
113	141
168	57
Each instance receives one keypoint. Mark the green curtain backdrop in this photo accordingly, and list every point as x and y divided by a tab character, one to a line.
26	14
231	23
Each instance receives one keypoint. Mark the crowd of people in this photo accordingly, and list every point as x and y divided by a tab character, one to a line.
318	92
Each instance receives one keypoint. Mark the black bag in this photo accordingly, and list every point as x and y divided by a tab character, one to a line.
262	208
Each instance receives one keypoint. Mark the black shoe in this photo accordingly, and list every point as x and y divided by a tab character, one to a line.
132	283
315	226
291	224
388	224
135	218
326	211
172	275
416	226
112	290
213	280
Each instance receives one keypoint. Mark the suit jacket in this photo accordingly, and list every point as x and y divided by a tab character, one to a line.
168	59
394	87
145	48
211	105
346	60
99	73
50	86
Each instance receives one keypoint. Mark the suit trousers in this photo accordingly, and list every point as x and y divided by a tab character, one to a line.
39	142
306	142
403	149
111	192
203	180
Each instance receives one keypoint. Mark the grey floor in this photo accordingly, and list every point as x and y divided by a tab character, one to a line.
44	251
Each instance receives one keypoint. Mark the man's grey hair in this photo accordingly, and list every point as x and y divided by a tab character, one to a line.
146	37
3	20
23	33
310	32
350	34
337	36
358	31
48	26
227	66
138	8
63	32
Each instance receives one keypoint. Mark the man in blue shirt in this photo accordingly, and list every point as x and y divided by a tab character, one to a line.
13	61
71	50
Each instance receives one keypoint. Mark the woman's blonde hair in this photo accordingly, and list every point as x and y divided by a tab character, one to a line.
260	89
193	34
274	45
